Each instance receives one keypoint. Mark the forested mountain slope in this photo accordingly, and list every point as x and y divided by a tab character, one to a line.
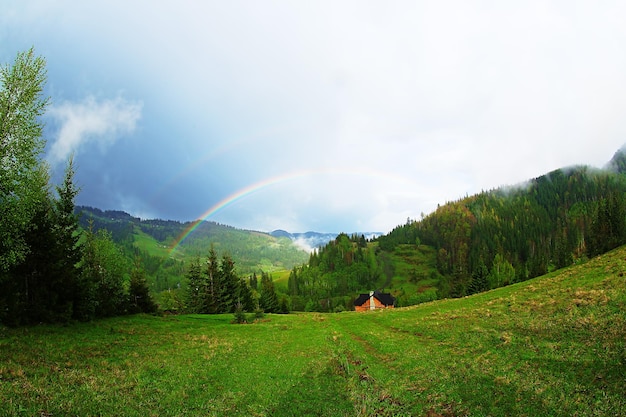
511	234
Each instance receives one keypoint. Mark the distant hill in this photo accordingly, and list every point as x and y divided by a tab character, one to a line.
252	251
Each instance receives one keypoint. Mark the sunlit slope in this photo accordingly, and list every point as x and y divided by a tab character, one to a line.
551	346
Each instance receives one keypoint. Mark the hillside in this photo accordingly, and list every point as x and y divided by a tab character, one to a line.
550	346
511	234
166	262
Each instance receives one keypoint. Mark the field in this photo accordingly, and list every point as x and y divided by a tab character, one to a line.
552	346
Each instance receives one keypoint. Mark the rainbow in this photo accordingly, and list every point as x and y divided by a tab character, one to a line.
260	185
244	192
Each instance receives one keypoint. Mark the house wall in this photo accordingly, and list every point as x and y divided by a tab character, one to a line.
366	305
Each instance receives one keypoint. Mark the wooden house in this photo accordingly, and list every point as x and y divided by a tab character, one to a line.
373	301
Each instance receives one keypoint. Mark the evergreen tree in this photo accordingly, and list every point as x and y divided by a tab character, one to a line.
30	291
254	283
229	285
292	283
479	282
283	305
68	251
212	289
245	296
195	288
268	300
139	298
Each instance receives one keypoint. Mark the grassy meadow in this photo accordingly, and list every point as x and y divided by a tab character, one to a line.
551	346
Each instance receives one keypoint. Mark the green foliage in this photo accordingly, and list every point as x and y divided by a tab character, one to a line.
139	298
240	314
268	300
216	288
21	143
336	272
104	276
39	237
251	251
502	272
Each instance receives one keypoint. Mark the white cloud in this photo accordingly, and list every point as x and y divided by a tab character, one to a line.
91	121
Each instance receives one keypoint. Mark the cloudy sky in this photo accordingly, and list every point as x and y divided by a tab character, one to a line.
327	115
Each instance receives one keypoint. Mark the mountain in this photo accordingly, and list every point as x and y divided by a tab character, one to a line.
314	240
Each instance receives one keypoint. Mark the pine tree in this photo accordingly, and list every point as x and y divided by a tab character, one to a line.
195	288
479	281
245	296
212	289
140	300
67	234
254	283
229	285
268	300
292	283
31	295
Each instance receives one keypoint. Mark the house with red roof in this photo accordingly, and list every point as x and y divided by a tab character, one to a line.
373	301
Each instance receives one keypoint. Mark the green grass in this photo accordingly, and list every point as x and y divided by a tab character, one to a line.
281	280
552	346
152	246
415	275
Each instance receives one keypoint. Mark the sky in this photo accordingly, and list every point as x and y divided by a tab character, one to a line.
331	116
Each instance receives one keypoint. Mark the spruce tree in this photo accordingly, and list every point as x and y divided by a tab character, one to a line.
67	235
229	284
140	300
212	288
268	300
195	288
245	296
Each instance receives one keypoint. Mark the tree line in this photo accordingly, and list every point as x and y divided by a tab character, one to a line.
334	274
213	287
